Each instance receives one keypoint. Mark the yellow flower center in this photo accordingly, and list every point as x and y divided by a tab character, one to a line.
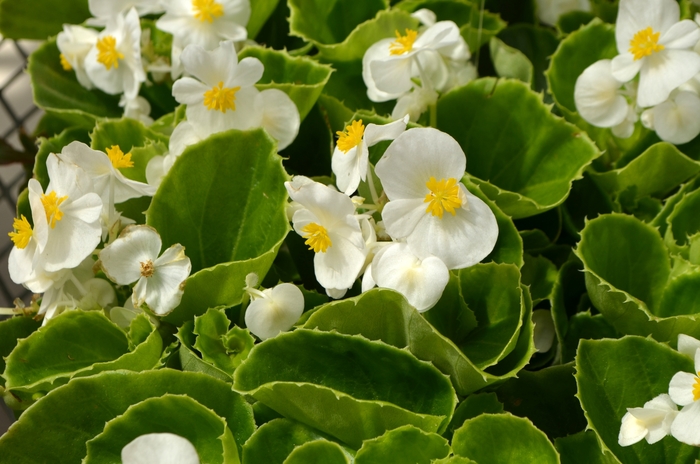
403	43
316	237
107	52
696	388
64	63
23	232
644	43
207	10
444	195
52	208
118	158
221	98
147	268
351	136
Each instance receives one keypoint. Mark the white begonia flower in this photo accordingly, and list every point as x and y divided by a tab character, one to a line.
549	11
677	120
414	103
425	16
136	108
544	330
204	23
134	257
684	390
74	43
425	166
273	310
688	345
104	10
223	97
182	137
389	65
350	162
652	422
654	43
159	448
421	281
68	224
114	63
278	115
600	98
328	223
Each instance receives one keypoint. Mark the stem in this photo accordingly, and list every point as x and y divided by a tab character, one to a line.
478	36
372	187
10	311
433	115
78	285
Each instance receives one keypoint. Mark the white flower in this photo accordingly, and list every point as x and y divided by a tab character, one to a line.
223	94
420	173
278	115
205	22
414	103
136	108
421	281
677	120
104	10
688	345
389	65
273	310
684	390
328	223
652	422
182	137
350	160
159	448
134	256
653	43
74	43
549	11
544	330
114	63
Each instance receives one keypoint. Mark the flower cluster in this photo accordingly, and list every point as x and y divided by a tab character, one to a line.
654	78
423	224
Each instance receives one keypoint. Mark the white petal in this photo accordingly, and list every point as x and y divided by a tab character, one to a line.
375	133
346	167
210	67
680	389
686	426
183	136
425	16
368	282
189	91
248	72
636	15
280	116
267	317
401	216
625	67
340	265
392	75
336	293
677	120
164	289
684	34
662	72
327	204
159	448
597	98
378	51
688	345
121	259
631	431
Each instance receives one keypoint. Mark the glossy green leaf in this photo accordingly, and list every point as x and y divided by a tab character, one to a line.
613	375
510	62
539	274
54	145
11	331
319	452
404	445
454	460
473	406
299	77
451	315
190	360
260	11
345	385
39	19
176	414
499	438
583	448
536	44
573	21
683	221
77	412
586	326
681	295
59	91
223	347
76	343
661	219
240	170
655	172
547	398
526	161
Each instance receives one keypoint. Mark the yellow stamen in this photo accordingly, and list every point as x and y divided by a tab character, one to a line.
316	237
64	63
403	43
118	158
644	43
23	232
108	54
207	10
444	195
351	136
51	204
147	268
221	98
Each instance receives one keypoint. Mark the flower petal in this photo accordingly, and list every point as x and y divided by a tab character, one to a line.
121	259
597	98
159	448
680	389
662	72
686	426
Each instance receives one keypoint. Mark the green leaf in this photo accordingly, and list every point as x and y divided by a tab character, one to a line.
585	326
573	21
319	452
274	441
76	344
224	348
310	153
510	62
655	172
299	77
499	438
539	274
260	11
537	44
404	445
525	161
59	91
661	219
473	406
583	448
547	398
55	145
683	221
176	414
613	375
39	19
191	361
454	460
11	331
77	412
240	170
347	386
451	315
681	296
